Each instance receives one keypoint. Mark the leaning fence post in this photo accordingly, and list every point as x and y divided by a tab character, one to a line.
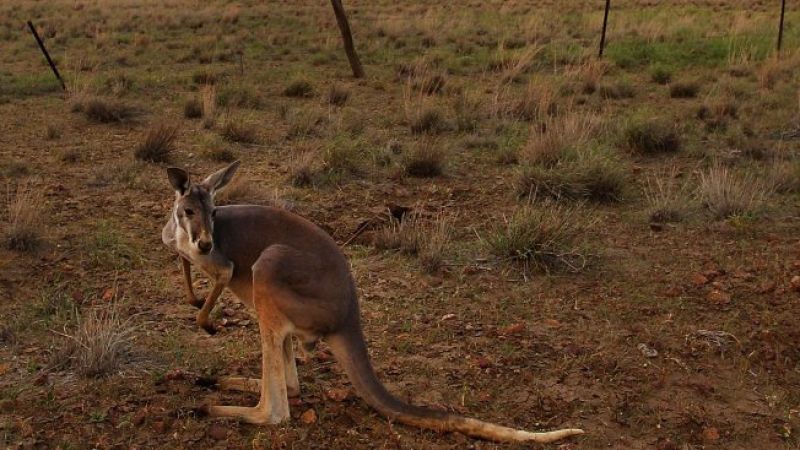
780	27
47	55
603	34
347	38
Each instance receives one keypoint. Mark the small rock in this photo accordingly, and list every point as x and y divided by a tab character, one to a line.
719	298
217	432
667	444
308	417
160	427
647	352
766	288
323	356
699	279
553	323
40	380
484	362
655	226
338	395
244	323
710	434
176	374
447	317
485	397
294	401
138	419
108	295
229	311
513	329
795	285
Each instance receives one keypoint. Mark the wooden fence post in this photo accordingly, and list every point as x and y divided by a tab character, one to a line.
347	38
603	34
47	56
780	27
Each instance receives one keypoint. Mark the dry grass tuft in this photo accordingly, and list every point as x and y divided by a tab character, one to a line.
560	137
158	143
727	194
103	110
193	109
434	244
101	344
299	88
25	210
338	95
650	137
426	160
239	131
668	200
684	89
542	237
208	97
427	121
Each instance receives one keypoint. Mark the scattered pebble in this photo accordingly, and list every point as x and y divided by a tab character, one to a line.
309	417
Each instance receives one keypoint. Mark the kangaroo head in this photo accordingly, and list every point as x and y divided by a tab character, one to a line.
193	211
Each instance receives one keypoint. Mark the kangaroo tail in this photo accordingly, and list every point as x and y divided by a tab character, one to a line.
350	349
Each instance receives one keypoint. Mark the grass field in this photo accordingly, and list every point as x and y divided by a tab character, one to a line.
606	244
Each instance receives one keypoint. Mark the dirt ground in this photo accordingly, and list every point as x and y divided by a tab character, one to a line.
675	335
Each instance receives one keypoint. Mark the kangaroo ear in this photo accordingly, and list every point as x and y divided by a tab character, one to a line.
219	179
179	179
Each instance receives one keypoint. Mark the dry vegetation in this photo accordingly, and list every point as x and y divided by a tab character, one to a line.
608	244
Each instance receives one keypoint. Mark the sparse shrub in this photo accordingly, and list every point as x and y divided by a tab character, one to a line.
467	113
405	235
158	143
434	244
53	132
622	89
25	210
302	169
305	123
15	169
541	237
660	75
299	88
239	96
103	110
208	96
214	149
784	176
430	85
684	89
100	345
650	137
193	109
559	137
343	155
668	202
535	103
426	160
338	95
727	194
239	131
429	121
589	174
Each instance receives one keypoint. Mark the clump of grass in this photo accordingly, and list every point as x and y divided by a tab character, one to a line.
208	97
240	131
684	89
239	96
100	345
193	109
214	149
304	123
428	121
103	110
25	209
621	89
158	143
52	132
727	194
237	191
535	103
426	160
302	169
342	156
541	237
405	235
467	113
430	85
650	137
667	201
299	88
661	75
338	95
560	137
589	174
434	244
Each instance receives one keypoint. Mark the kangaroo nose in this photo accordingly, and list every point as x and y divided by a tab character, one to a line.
205	246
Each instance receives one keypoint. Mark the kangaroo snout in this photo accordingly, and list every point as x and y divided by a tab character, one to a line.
205	246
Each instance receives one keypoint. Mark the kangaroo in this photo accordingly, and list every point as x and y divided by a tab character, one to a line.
298	282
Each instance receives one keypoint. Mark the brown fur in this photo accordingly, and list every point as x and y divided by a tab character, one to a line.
299	283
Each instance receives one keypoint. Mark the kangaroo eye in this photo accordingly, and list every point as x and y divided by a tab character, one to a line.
214	213
188	212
